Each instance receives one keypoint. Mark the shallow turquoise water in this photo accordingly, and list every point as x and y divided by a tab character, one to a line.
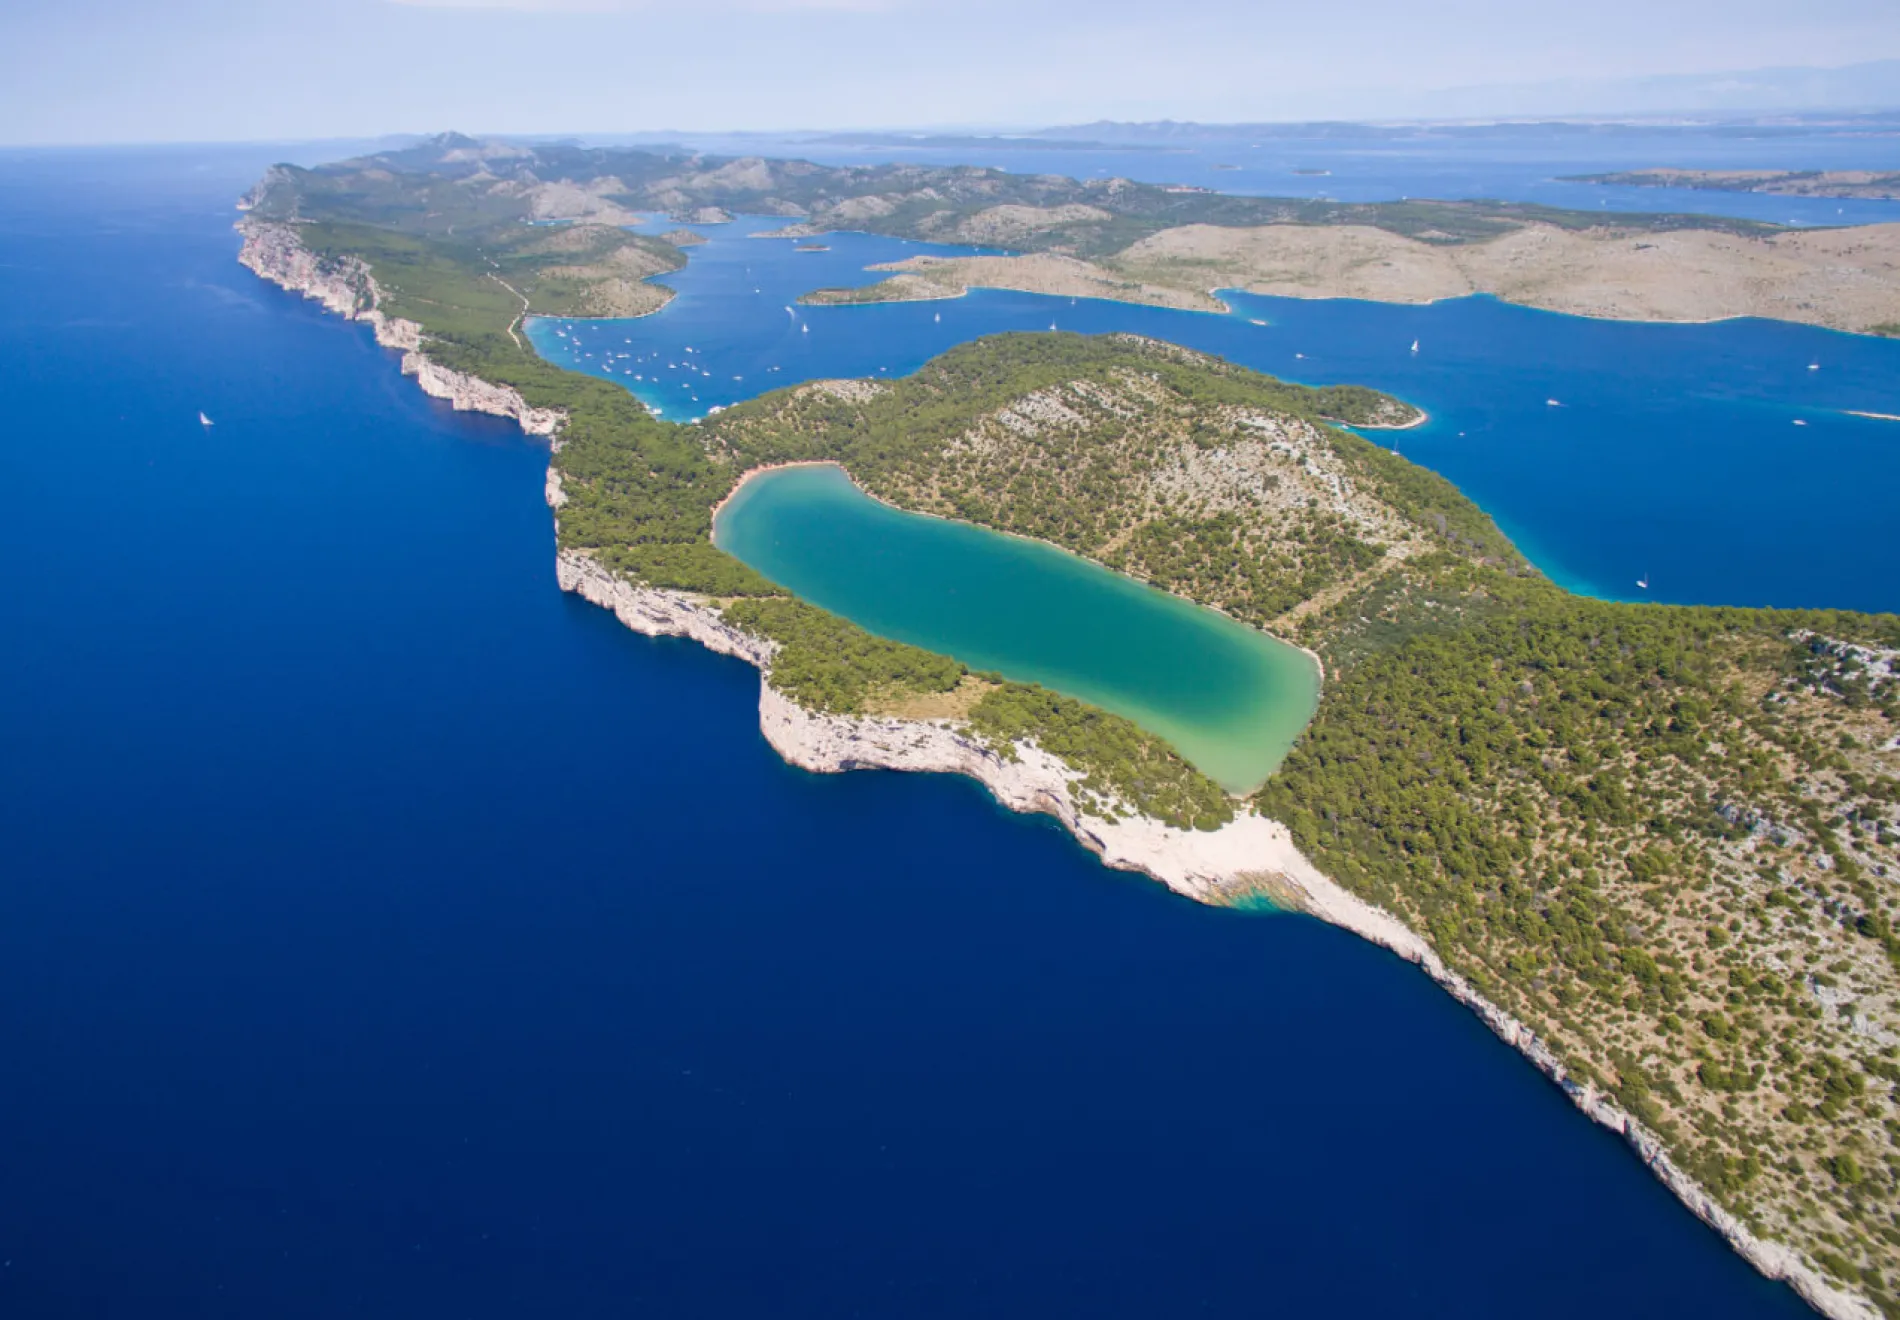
1229	698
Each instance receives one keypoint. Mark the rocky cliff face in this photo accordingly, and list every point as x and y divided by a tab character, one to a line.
658	612
275	252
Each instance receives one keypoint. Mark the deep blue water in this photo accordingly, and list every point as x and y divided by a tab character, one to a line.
383	933
1673	451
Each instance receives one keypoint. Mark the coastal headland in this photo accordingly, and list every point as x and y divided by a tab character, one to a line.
1651	846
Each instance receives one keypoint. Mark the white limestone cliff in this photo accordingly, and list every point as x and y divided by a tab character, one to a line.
274	251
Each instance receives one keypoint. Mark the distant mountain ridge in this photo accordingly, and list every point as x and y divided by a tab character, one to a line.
1869	91
1865	87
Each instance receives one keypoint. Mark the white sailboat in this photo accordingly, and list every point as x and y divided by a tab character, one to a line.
1814	366
1643	581
1415	345
205	421
937	317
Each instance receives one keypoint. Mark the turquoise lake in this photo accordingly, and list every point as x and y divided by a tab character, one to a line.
1228	697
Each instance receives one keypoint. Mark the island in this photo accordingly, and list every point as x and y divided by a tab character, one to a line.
1846	279
1115	238
1653	847
1877	184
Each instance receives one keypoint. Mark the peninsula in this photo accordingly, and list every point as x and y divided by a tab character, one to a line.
1654	847
1116	238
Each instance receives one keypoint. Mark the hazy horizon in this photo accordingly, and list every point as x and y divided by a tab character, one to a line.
128	71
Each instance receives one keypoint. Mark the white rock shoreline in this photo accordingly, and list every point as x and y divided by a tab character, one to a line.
1251	856
274	252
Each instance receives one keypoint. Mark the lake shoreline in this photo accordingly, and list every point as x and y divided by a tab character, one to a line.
1263	714
1319	665
1250	857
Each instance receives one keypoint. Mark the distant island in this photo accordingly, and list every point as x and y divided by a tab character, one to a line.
1845	279
1170	246
1656	848
1883	186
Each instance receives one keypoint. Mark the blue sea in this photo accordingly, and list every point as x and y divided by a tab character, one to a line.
384	933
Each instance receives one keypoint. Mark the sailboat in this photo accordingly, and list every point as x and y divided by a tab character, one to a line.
205	421
1643	581
937	317
1415	345
1814	366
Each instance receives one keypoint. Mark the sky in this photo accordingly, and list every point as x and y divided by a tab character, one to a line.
101	71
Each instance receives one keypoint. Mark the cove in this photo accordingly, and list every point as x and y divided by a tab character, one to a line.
1229	698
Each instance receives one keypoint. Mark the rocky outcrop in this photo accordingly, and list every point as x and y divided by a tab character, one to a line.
799	229
1010	225
701	215
658	612
345	286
